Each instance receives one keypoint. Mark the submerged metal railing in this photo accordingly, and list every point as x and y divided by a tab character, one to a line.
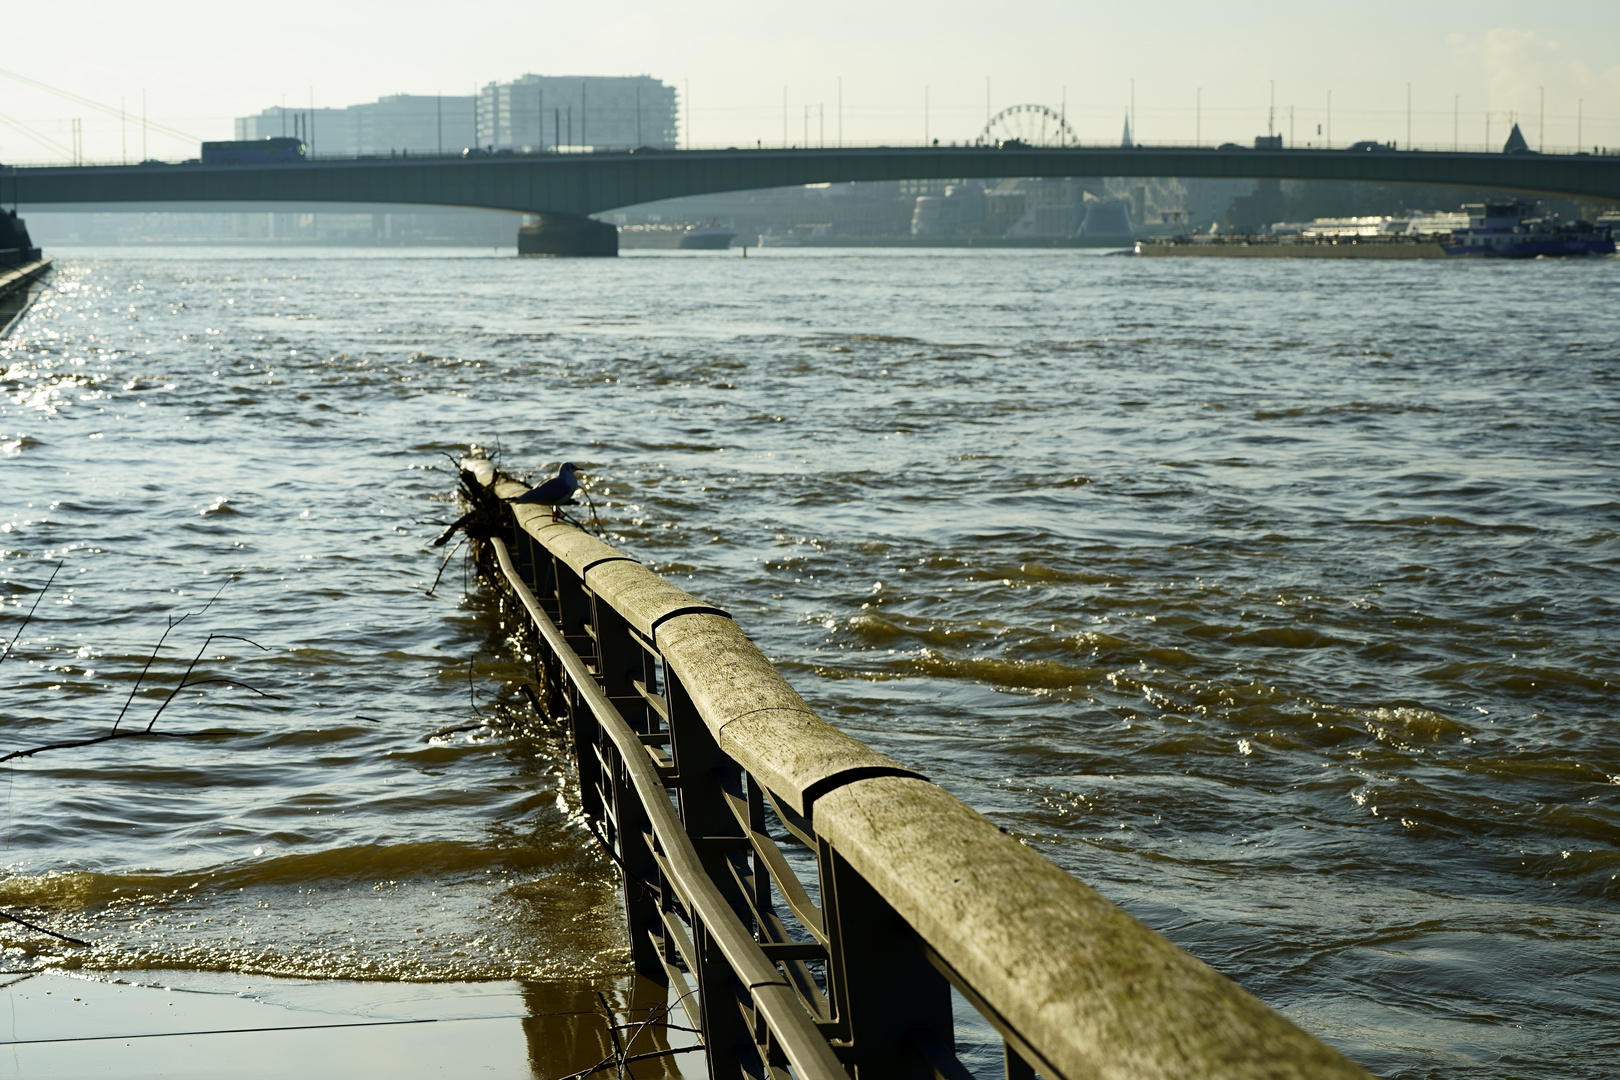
701	769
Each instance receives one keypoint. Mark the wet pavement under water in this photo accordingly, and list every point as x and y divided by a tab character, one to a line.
163	1024
1276	601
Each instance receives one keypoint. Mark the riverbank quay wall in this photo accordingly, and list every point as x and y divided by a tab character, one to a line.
713	786
582	184
17	285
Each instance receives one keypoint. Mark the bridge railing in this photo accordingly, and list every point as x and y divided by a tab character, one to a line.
811	900
506	153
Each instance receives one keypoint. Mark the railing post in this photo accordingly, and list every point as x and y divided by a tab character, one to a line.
542	580
573	611
726	1038
619	660
892	1002
521	546
701	798
705	815
587	734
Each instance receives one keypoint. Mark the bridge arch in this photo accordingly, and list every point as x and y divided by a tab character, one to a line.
584	184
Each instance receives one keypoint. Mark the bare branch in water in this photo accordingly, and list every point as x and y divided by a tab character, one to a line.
621	1059
173	622
42	930
472	690
609	1063
185	680
445	563
109	737
30	616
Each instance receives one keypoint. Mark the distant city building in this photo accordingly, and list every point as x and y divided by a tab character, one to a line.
399	123
535	112
1106	219
945	215
277	123
544	112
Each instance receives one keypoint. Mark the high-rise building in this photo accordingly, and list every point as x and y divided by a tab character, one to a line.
324	131
399	123
418	123
534	112
545	112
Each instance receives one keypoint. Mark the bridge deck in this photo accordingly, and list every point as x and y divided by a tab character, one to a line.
591	183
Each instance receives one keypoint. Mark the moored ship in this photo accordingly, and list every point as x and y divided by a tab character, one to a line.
707	238
1497	230
1508	230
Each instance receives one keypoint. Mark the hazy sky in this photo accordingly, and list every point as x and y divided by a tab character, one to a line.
201	64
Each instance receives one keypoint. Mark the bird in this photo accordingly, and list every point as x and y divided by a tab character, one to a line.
555	493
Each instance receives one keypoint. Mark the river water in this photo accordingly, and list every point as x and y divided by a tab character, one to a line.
1277	600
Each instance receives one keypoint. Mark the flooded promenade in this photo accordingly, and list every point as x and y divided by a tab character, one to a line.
1274	601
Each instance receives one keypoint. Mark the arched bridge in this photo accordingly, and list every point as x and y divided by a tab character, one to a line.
565	187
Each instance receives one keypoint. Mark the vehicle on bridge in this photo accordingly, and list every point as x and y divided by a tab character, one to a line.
269	151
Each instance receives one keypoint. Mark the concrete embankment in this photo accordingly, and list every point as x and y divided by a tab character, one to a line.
17	287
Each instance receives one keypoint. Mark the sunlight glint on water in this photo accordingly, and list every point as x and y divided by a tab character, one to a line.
1275	600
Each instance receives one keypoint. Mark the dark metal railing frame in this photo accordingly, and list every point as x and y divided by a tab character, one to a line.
838	984
706	882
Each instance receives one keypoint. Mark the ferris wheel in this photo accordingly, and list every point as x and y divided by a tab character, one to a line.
1028	125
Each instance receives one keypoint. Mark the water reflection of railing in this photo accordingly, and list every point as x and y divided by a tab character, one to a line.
702	771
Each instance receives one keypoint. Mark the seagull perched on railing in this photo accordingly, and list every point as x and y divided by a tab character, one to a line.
555	493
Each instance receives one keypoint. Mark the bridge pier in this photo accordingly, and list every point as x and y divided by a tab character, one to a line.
568	235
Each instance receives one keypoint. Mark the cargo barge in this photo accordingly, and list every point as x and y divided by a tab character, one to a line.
1296	247
1507	230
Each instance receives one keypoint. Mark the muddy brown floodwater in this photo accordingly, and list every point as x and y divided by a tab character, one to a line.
1278	601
